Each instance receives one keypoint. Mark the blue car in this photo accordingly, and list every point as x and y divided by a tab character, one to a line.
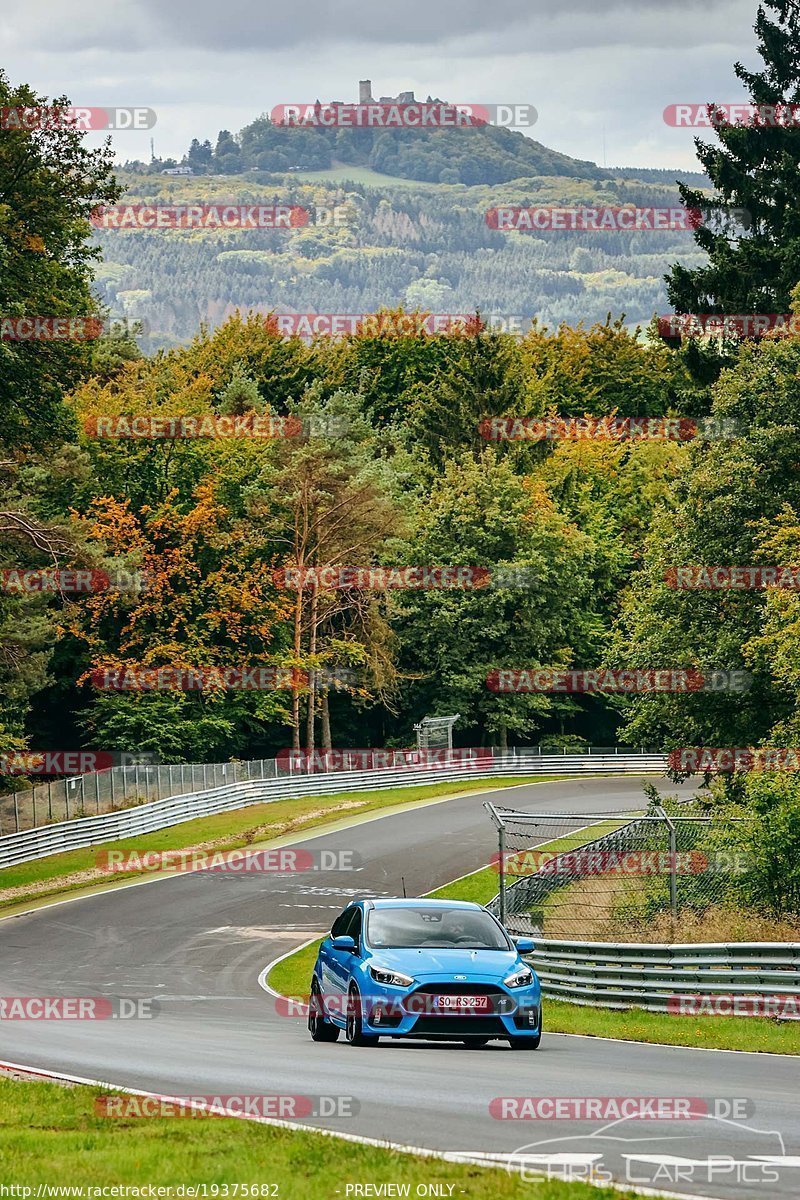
433	969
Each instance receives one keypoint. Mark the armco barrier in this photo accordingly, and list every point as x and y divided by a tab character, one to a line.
172	810
652	976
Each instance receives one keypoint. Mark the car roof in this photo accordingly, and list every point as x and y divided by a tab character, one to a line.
421	902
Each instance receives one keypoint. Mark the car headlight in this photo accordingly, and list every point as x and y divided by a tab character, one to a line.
522	977
384	975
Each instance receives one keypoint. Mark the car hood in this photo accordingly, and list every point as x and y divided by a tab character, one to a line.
427	962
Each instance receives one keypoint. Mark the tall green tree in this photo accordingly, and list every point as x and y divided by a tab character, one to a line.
755	167
49	185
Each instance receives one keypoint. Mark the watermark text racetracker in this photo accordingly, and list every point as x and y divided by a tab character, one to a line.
77	1008
69	329
585	861
21	580
732	578
711	760
714	116
309	325
404	578
218	216
212	426
628	680
615	1108
36	119
277	1106
197	679
374	759
283	860
606	428
403	115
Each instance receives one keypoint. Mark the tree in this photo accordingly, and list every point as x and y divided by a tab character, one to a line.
49	185
734	496
756	168
331	502
480	513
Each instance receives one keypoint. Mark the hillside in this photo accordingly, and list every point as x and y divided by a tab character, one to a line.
402	243
486	154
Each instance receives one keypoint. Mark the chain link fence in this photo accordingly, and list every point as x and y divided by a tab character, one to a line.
126	786
608	877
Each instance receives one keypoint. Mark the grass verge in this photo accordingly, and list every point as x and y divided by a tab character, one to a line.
291	977
62	1141
253	827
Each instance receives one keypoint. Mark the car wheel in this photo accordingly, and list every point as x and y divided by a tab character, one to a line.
352	1032
475	1043
320	1028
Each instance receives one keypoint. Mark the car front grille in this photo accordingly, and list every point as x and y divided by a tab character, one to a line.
459	1027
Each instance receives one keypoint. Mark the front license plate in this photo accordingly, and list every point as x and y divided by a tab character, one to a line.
462	1004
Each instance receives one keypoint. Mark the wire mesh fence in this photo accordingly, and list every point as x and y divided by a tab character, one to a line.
612	876
121	787
126	786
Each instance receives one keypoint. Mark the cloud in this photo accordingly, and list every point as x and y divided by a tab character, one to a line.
596	73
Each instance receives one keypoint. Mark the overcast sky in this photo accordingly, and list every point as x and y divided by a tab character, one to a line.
593	71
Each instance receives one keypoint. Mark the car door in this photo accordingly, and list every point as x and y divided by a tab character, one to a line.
341	961
332	967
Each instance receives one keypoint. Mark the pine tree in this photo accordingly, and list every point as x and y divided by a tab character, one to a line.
756	168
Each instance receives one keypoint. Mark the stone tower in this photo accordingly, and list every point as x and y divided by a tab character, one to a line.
365	91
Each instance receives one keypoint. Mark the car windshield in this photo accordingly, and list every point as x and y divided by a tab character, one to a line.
409	928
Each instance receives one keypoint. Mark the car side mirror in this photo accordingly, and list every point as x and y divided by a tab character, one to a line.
344	942
525	945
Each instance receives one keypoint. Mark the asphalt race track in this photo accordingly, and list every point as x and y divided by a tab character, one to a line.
198	943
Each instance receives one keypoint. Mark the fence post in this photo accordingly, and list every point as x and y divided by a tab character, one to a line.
49	800
16	813
502	872
673	868
205	779
97	792
111	777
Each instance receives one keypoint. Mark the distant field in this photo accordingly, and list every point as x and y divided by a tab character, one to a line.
363	175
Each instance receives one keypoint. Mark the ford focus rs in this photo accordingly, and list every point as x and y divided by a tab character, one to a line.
433	969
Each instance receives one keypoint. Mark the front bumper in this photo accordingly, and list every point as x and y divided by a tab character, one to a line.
511	1012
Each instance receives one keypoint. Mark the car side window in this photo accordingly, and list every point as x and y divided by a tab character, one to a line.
339	926
354	928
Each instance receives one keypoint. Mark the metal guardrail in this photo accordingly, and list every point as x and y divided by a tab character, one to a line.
172	810
657	977
136	783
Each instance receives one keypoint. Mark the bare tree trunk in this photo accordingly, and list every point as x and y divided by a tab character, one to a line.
298	613
312	677
504	739
326	720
